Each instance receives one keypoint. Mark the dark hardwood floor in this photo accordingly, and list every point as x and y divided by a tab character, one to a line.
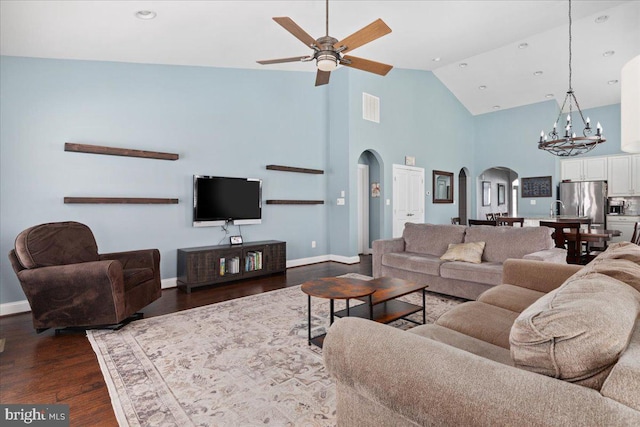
46	369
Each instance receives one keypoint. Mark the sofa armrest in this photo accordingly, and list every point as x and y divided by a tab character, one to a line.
537	275
556	255
431	383
381	247
68	293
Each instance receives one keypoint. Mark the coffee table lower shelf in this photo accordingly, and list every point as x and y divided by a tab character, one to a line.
385	312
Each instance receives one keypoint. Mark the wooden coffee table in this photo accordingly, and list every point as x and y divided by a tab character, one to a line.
380	297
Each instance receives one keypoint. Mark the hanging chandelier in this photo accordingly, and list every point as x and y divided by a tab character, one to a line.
569	144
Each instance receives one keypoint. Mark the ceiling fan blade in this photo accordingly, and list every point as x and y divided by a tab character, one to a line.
322	77
288	24
280	60
365	35
367	65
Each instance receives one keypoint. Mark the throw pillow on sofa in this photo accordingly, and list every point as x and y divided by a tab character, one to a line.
577	331
467	252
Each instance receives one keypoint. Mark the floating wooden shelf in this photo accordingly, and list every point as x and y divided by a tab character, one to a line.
121	200
295	202
112	151
292	169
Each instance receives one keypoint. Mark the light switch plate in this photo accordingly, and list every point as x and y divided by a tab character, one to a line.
340	201
533	202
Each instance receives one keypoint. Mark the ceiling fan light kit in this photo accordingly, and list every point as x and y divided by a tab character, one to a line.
327	51
569	144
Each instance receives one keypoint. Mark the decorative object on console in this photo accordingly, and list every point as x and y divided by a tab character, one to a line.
442	187
569	144
327	51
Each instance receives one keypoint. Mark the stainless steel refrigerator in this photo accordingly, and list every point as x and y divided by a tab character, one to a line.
586	198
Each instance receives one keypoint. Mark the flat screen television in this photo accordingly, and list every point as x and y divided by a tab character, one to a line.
218	200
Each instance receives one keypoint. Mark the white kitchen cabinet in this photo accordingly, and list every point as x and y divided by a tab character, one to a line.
587	169
624	175
624	223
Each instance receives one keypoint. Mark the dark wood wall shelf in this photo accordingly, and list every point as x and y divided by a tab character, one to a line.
294	169
295	202
113	151
121	200
210	265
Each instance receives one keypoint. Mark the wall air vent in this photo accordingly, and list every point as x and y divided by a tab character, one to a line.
370	107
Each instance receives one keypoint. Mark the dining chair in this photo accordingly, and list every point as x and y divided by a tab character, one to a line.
635	239
510	221
455	220
482	222
490	216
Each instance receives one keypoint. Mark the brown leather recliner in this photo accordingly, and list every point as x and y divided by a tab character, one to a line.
68	284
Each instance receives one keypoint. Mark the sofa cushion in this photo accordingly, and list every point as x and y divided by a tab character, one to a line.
622	383
509	242
489	273
621	250
576	332
479	320
431	239
464	342
57	243
418	263
514	298
466	252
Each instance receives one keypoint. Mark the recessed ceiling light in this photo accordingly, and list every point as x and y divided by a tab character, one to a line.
496	107
608	53
436	59
537	73
549	95
601	19
483	87
462	64
523	45
612	82
145	14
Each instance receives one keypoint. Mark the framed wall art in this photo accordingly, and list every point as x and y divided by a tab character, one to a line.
539	186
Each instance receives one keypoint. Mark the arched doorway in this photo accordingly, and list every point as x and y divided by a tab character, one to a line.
494	188
370	200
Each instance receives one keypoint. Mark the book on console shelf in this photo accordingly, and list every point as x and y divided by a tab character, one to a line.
253	261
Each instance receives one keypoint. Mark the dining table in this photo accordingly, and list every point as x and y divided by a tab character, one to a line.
591	235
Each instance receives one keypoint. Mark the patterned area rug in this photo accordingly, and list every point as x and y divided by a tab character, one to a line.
244	362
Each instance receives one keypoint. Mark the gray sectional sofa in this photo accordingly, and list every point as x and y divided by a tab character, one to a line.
416	255
554	345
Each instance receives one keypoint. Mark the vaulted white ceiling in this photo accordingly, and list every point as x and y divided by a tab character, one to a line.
485	35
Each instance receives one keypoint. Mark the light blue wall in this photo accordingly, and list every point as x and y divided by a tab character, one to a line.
509	139
419	117
232	122
224	122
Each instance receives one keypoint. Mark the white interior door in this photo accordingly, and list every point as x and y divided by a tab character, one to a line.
408	197
363	209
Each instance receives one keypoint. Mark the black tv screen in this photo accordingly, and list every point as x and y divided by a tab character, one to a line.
217	200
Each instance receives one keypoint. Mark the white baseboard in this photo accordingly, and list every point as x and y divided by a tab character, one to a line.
169	283
9	308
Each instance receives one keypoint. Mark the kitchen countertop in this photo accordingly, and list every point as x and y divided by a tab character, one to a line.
554	218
